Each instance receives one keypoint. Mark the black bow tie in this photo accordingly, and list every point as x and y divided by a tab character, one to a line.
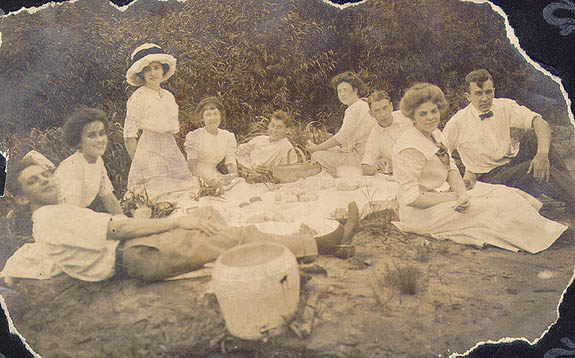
486	115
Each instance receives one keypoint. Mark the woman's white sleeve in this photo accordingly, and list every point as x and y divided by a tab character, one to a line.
69	178
231	149
133	109
407	167
192	145
349	126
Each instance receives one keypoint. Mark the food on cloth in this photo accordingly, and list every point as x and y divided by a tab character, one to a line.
311	184
244	204
327	182
263	217
348	184
278	196
291	198
253	199
256	219
308	197
279	217
294	196
302	190
314	184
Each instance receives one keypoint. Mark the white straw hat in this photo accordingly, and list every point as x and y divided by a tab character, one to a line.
142	57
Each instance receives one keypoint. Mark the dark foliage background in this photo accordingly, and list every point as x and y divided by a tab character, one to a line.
257	55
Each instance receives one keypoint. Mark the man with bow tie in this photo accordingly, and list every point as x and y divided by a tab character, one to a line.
481	134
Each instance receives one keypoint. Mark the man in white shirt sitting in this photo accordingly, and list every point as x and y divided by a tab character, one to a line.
92	246
390	126
481	134
265	152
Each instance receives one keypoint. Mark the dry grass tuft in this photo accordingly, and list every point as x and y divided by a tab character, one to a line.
422	253
404	278
378	223
339	214
442	246
159	209
210	188
382	292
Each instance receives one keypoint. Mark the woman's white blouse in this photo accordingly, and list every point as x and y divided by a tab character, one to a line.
80	182
209	149
415	165
151	110
356	127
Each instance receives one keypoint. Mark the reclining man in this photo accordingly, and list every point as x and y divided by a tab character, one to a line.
93	246
390	126
263	153
481	134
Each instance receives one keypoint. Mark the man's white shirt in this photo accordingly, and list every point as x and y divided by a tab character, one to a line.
486	144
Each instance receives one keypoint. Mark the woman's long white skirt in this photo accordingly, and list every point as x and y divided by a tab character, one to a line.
499	215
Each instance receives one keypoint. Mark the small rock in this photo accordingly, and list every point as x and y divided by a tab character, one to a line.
545	275
253	199
349	340
511	291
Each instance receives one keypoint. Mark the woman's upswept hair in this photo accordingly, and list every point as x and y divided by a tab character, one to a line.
349	77
201	107
419	94
78	120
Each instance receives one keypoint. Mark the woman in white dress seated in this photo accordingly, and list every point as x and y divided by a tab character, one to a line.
265	152
83	176
488	214
207	146
346	147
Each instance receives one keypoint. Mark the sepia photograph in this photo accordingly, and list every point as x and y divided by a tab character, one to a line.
281	178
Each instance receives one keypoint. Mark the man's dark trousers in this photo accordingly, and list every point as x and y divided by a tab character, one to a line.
560	186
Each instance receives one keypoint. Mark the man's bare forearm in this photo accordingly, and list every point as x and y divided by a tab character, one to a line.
543	134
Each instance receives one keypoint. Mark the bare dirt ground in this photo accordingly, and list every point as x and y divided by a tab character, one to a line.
462	295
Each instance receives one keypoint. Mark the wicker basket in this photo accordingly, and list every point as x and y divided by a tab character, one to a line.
289	173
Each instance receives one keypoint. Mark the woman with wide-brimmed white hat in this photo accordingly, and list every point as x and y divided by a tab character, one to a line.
158	166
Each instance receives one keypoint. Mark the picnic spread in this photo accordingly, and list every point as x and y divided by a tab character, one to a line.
284	208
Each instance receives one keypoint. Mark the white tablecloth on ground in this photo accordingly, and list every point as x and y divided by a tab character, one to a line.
286	218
